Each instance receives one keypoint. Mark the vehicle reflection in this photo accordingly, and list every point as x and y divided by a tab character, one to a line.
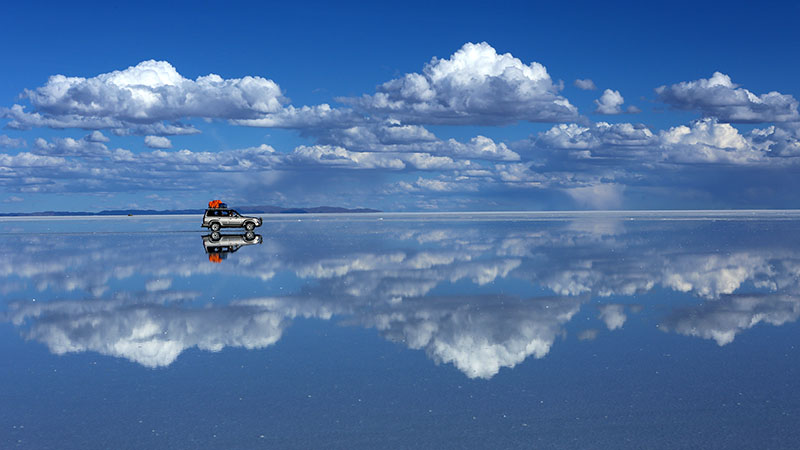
481	297
218	246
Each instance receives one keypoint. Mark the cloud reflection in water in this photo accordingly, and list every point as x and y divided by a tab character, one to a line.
445	288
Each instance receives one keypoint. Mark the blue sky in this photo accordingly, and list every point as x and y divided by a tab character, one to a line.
402	107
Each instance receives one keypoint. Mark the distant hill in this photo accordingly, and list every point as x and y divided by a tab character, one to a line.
263	209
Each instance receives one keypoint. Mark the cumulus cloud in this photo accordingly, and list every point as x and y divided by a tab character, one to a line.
157	142
306	117
478	342
341	157
601	140
8	142
70	147
777	141
613	315
723	319
326	155
719	97
23	120
585	84
392	136
150	92
609	102
393	289
476	85
707	141
150	333
97	136
704	141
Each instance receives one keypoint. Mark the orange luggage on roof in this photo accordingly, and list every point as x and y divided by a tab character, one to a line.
216	204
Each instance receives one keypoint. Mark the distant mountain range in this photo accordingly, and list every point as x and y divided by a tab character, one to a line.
264	209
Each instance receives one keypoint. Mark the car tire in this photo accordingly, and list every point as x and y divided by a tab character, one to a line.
215	226
215	236
249	236
249	226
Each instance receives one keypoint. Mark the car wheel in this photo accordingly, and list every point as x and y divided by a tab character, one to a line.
249	235
215	226
215	236
249	226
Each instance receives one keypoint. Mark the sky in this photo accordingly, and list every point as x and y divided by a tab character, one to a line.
419	106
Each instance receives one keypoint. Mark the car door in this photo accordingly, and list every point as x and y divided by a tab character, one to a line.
227	219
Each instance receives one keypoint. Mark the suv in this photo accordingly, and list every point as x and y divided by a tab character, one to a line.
216	218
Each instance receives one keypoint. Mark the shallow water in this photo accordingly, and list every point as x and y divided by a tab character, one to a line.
512	330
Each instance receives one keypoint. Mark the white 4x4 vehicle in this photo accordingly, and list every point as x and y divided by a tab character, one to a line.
216	218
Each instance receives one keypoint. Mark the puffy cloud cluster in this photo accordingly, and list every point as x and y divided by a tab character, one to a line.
478	341
723	319
609	102
707	141
149	93
393	288
157	142
8	142
585	84
86	147
392	136
380	138
719	97
613	315
599	139
153	91
149	332
704	141
476	85
23	120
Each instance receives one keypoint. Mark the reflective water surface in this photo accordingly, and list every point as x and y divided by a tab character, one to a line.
648	330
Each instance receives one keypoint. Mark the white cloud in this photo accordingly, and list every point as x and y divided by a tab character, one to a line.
721	320
442	184
391	136
707	141
476	85
613	315
8	142
153	91
588	335
305	117
70	147
601	138
159	284
585	84
157	142
27	159
477	341
22	120
149	93
609	102
97	136
719	97
327	155
149	332
777	141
